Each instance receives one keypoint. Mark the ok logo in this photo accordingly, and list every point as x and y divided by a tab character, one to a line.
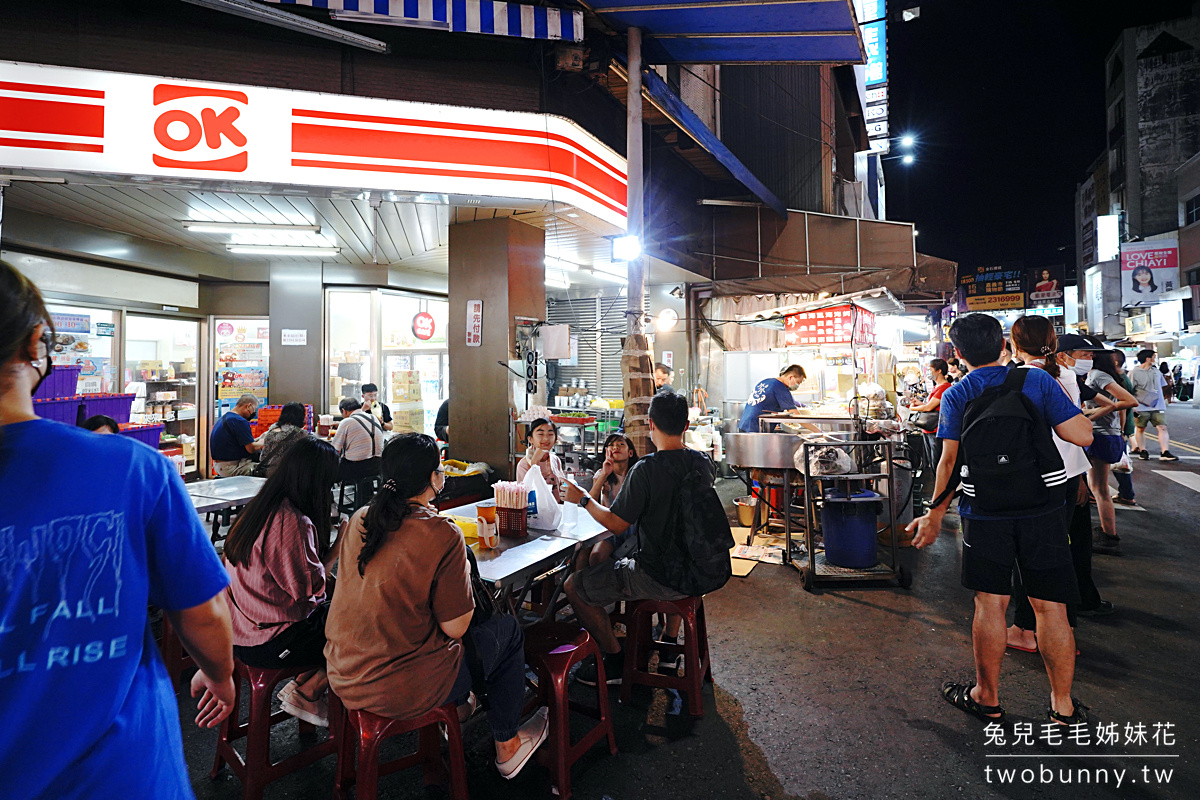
193	115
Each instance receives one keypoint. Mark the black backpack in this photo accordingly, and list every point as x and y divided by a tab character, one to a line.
693	556
1007	463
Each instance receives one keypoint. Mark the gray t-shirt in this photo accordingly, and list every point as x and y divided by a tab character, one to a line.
1147	388
1109	424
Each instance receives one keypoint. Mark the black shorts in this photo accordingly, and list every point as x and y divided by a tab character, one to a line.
301	644
1038	547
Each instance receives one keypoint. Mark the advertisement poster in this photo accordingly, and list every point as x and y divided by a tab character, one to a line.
1045	286
237	381
1148	271
71	323
993	288
829	326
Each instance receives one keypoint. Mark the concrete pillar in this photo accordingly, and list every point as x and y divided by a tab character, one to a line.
297	302
501	262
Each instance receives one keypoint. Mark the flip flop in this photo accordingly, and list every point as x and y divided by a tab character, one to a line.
1023	649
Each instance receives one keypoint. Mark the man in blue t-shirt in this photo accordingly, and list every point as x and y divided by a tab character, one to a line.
1038	545
771	396
232	442
89	712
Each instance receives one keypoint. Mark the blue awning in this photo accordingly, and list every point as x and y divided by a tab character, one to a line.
662	96
740	31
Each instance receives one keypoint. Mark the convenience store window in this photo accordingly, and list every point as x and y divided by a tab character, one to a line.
161	370
351	354
415	359
242	352
87	338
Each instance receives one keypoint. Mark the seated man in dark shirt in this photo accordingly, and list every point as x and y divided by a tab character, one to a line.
232	444
648	498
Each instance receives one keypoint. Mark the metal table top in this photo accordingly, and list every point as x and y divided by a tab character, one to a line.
205	505
240	489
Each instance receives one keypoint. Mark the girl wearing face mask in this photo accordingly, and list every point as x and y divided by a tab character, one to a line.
1107	443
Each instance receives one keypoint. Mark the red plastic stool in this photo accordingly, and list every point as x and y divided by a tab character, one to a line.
552	648
369	731
697	668
175	658
257	769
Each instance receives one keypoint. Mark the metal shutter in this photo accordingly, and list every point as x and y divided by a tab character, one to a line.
581	316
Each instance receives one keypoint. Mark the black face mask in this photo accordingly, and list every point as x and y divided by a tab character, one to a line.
46	339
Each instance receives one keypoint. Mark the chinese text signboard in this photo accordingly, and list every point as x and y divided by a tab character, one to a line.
993	288
829	326
474	323
1148	271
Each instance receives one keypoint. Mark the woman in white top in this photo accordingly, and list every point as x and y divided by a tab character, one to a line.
542	438
1035	344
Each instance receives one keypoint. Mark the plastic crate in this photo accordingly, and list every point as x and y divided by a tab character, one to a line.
61	382
116	406
60	409
148	434
269	415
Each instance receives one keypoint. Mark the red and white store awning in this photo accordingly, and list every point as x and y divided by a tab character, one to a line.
58	118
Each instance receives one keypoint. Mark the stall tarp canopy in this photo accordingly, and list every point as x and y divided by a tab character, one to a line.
929	275
877	300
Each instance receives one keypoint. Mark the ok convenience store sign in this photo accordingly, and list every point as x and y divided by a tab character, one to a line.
58	118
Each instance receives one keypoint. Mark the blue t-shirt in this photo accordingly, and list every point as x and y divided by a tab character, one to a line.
1047	395
769	396
230	437
92	529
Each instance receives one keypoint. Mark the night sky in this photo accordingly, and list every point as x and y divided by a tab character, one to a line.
1007	102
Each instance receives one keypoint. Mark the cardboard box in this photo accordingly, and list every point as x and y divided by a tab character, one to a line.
189	365
165	396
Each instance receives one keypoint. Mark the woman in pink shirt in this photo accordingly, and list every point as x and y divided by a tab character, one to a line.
277	555
542	438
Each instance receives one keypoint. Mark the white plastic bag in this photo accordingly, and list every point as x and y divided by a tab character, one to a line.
544	512
825	461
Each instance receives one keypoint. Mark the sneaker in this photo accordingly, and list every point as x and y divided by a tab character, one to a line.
1121	501
1143	455
287	691
1104	609
1167	456
1106	545
531	734
614	669
315	712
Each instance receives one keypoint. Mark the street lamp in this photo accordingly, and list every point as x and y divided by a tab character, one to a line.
908	140
907	159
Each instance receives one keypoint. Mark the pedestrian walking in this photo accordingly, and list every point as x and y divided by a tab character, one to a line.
1148	385
995	426
1123	469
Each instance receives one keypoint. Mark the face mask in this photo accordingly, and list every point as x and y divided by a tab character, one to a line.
1082	366
47	339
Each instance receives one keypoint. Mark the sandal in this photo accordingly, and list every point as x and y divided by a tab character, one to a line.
959	696
1079	715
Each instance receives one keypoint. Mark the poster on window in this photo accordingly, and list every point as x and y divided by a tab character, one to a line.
1148	271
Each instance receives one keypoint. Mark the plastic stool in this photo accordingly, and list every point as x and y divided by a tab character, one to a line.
257	769
638	644
175	658
552	648
369	731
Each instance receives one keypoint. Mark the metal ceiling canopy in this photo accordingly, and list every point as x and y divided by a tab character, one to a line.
740	31
878	301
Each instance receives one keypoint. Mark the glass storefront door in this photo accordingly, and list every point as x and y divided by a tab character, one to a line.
161	368
351	354
87	338
241	358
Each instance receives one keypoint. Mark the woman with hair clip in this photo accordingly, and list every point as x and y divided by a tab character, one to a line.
87	705
278	556
410	615
1035	344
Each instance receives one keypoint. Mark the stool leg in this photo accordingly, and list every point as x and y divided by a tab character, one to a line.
258	741
430	747
560	723
605	712
633	650
458	763
346	734
367	783
691	650
702	624
223	735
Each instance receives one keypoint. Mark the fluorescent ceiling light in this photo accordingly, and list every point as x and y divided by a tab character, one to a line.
281	250
558	263
610	268
197	226
31	179
292	22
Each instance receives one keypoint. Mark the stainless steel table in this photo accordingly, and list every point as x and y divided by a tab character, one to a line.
515	565
223	496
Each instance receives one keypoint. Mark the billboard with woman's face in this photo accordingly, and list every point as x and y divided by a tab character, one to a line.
1148	271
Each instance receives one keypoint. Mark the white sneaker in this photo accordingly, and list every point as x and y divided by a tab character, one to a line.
531	734
314	712
287	691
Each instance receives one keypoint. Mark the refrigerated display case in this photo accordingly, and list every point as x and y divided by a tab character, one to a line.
161	369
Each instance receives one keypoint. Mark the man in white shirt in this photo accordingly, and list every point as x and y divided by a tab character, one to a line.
1148	385
359	442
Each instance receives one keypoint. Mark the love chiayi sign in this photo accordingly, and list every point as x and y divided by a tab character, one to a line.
58	118
1148	271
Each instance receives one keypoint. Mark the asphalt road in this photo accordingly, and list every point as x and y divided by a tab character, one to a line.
835	694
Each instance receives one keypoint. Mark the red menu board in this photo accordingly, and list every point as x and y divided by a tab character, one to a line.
829	326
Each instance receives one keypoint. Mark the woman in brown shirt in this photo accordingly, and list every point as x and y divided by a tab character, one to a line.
404	604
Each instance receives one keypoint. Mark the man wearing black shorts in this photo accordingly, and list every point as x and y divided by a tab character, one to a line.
993	547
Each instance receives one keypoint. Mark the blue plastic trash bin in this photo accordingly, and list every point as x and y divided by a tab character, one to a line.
848	526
